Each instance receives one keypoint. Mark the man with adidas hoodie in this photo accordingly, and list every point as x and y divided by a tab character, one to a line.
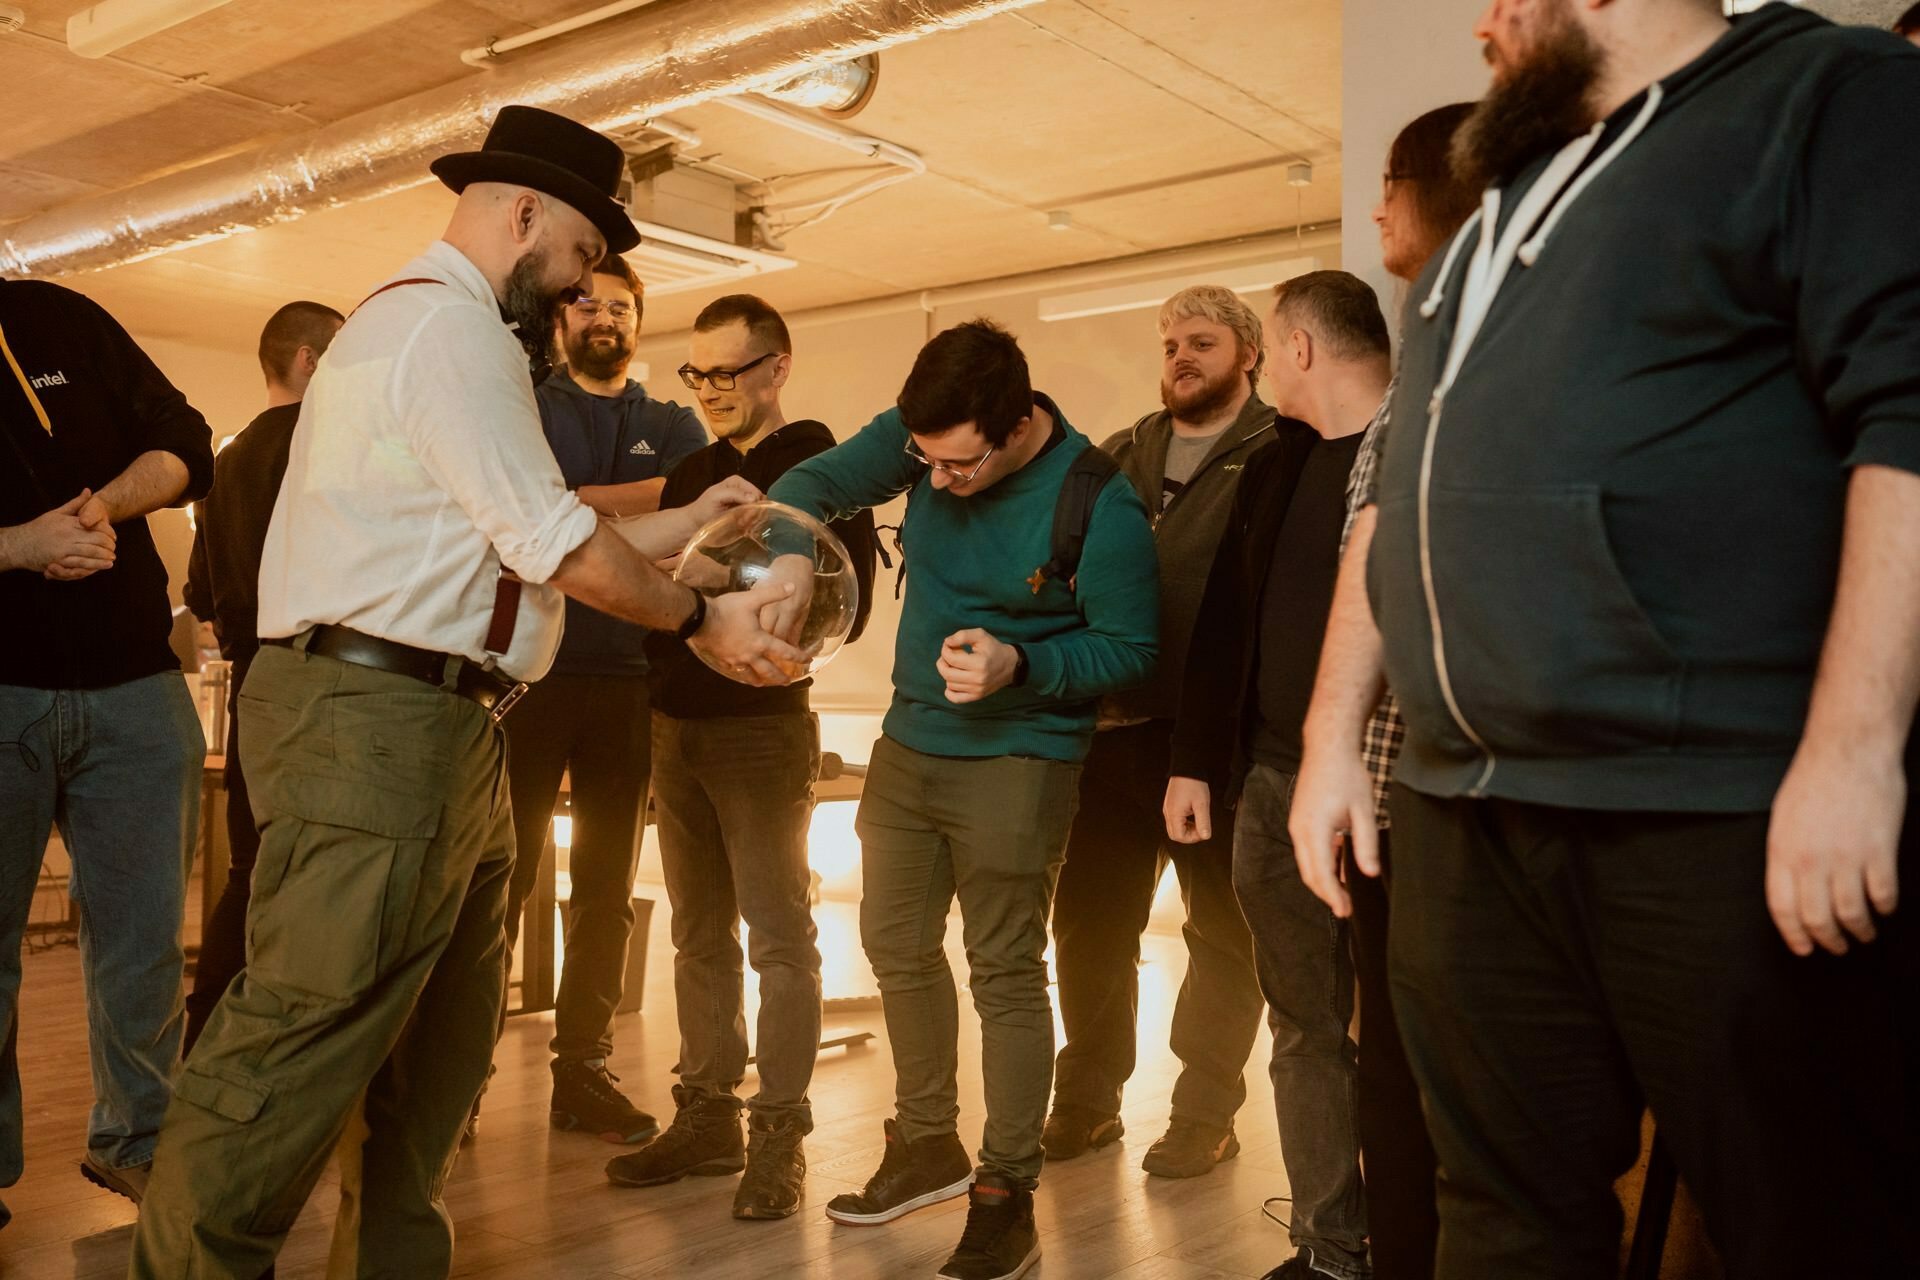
1645	565
1185	463
997	668
615	445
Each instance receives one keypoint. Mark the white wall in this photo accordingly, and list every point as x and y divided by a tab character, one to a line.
1399	58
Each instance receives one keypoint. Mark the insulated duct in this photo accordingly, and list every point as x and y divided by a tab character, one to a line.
668	56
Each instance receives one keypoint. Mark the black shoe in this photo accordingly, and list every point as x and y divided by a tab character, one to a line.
912	1175
1000	1242
776	1168
1299	1267
1190	1148
584	1098
702	1142
1073	1131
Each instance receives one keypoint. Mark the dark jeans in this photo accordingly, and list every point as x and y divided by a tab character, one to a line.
599	728
1403	1216
1306	970
1115	856
223	937
1556	971
734	797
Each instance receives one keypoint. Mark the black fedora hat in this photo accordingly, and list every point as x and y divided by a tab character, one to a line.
562	158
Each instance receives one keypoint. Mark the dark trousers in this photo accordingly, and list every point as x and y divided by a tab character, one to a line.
1115	857
600	729
1306	972
223	937
1403	1217
1556	971
734	796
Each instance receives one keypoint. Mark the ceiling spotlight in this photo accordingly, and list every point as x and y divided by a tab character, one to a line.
1059	220
1300	174
837	89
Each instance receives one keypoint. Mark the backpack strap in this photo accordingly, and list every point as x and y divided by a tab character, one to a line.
1072	514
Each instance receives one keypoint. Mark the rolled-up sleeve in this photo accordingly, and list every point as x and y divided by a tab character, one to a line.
475	427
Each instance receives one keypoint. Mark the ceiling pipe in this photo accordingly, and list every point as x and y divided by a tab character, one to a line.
484	55
671	56
112	25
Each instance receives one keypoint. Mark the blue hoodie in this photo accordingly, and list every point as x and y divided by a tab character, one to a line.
610	440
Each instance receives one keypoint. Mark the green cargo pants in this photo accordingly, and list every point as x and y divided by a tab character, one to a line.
376	960
992	832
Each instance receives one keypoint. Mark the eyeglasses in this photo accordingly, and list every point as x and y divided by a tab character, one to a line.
588	308
718	379
959	473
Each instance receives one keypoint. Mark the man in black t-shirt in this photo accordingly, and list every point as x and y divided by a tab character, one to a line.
223	584
1255	652
97	729
733	772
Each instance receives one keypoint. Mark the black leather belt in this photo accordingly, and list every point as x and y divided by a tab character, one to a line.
494	692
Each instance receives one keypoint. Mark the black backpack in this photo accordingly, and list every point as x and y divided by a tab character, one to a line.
1072	514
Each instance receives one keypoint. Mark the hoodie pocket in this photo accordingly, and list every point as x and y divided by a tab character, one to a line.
1548	653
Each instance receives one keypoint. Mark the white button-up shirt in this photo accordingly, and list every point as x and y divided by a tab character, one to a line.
417	470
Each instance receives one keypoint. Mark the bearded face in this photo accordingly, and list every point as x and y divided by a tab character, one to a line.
1545	71
531	303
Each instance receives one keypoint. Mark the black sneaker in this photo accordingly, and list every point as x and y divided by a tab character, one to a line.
702	1142
1300	1267
912	1175
584	1098
1000	1242
1073	1131
1190	1148
776	1168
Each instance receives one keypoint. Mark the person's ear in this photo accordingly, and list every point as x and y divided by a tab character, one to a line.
782	366
1302	343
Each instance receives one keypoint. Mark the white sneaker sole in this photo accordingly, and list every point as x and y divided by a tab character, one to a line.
1026	1265
904	1208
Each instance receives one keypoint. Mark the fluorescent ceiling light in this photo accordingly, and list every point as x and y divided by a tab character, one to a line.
1151	293
114	24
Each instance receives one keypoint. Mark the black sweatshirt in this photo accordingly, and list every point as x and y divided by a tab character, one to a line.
105	404
1606	555
685	687
223	576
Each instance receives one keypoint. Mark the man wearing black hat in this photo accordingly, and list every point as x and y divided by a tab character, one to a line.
412	577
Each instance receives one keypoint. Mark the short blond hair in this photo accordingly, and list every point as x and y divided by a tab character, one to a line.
1221	306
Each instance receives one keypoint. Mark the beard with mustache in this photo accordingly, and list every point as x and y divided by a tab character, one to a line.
1212	397
531	306
1543	102
601	363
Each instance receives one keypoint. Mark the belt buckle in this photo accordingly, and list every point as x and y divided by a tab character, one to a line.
499	709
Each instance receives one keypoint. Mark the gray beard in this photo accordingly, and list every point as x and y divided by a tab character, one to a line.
531	307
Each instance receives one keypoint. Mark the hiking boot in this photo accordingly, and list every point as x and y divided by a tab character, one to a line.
584	1099
1190	1148
776	1168
130	1182
912	1175
1073	1131
1000	1242
702	1142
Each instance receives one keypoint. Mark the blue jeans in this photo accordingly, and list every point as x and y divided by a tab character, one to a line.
119	770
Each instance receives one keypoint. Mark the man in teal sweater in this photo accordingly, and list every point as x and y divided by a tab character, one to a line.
972	788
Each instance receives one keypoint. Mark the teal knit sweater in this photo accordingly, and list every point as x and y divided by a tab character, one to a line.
971	559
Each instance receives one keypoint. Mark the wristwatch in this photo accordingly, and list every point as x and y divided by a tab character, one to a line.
1020	667
686	630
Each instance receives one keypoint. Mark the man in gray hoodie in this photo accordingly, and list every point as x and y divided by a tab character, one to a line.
1185	463
1645	566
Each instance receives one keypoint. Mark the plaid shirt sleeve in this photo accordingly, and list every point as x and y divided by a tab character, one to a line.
1386	731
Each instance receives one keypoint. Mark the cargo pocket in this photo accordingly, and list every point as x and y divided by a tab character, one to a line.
1548	652
346	872
234	1098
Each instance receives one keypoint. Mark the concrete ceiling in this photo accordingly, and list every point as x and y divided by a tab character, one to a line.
1155	123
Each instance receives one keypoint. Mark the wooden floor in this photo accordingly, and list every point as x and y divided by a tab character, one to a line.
531	1203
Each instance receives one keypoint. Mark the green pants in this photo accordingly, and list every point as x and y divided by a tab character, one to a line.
993	832
376	960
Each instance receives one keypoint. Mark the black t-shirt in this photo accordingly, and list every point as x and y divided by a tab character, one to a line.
1297	599
79	401
223	575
